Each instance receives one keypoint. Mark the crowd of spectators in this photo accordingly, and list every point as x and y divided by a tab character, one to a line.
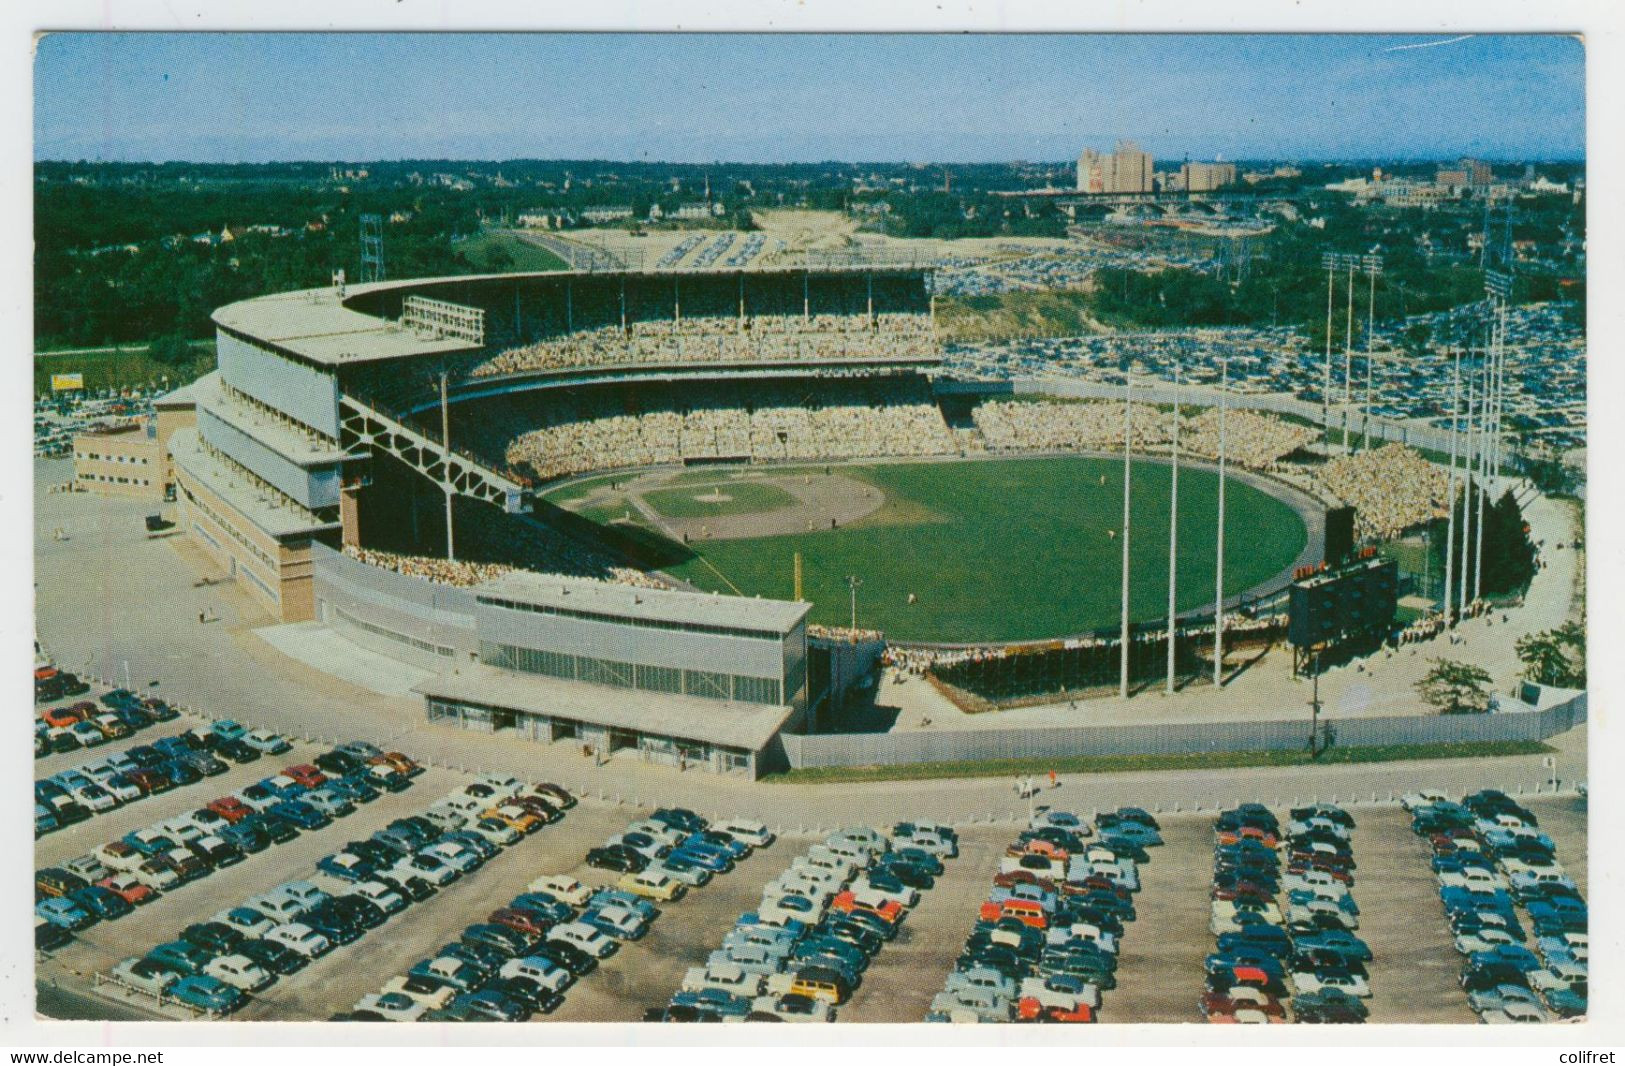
1252	440
724	338
1392	488
844	634
763	422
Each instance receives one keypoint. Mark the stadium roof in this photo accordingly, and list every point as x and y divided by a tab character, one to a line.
736	725
653	605
318	326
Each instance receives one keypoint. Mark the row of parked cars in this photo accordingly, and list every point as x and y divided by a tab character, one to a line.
1491	859
124	777
214	966
118	876
524	956
52	684
1046	939
803	951
1285	931
92	723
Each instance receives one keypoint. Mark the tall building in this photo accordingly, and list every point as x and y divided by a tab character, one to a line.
1205	177
1127	169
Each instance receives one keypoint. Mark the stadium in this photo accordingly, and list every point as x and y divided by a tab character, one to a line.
731	491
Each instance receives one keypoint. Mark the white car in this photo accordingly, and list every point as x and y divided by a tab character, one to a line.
746	831
1473	877
183	830
463	859
791	883
1048	818
1571	946
239	971
296	936
1422	797
496	832
123	791
1516	1012
393	1006
430	994
152	982
726	977
266	741
904	897
778	910
692	876
1485	939
562	888
379	894
658	831
1342	980
585	938
544	972
1052	992
446	818
794	1008
156	875
94	797
650	849
623	923
431	868
118	856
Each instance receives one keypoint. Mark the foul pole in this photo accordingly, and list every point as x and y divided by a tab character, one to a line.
1467	498
1128	470
1218	580
1450	491
1173	531
445	442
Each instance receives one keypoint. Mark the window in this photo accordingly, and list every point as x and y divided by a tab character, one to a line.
707	685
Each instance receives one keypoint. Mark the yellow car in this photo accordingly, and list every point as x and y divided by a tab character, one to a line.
515	818
651	885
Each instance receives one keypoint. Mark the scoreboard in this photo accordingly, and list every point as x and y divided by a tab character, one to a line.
1357	599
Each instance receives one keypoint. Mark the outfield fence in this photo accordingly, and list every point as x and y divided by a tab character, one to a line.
1183	738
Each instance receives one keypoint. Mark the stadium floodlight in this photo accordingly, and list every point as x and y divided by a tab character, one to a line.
854	583
1218	579
1128	470
1498	284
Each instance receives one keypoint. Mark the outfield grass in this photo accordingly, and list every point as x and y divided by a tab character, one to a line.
1115	764
1013	549
485	250
742	498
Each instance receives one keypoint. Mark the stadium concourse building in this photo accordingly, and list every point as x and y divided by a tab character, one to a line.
323	431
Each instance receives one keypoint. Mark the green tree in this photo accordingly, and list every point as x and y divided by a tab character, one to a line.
171	350
1555	656
1455	688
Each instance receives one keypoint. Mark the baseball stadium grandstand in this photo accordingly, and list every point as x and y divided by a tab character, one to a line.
413	463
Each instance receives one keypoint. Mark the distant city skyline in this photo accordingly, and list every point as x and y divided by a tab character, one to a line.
804	98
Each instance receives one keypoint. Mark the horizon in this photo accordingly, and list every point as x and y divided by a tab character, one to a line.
754	99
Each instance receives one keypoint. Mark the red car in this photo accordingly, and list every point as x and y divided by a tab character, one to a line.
1219	1003
306	775
1345	876
891	911
1030	1010
61	717
1239	890
127	888
521	921
1023	877
231	809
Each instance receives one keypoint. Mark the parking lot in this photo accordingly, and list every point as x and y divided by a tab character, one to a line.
1160	974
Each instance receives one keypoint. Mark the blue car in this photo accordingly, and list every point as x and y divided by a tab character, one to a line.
300	814
181	772
714	860
64	913
353	788
104	903
207	994
226	729
1340	941
713	999
1507	955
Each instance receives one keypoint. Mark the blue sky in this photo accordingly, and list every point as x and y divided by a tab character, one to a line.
253	98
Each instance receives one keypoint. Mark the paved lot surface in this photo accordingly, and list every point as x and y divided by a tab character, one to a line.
1159	969
908	972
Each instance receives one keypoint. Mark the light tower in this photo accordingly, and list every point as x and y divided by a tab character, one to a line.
1128	470
372	248
1218	569
1373	266
1173	530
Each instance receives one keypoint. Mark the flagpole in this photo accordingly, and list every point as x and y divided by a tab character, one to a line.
1218	579
1173	531
1450	491
1128	424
